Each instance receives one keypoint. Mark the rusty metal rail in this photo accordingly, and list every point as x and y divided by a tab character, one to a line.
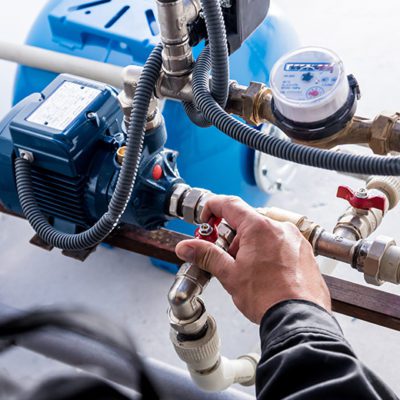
348	298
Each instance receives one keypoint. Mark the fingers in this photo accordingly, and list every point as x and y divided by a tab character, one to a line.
207	256
233	209
234	247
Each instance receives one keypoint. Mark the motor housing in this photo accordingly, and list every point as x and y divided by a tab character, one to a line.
72	131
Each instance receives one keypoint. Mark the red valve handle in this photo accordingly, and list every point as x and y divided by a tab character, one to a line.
366	203
208	231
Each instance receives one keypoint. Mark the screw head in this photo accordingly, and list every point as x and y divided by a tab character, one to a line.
205	229
362	193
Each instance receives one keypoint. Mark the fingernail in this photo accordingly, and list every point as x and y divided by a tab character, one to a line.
186	253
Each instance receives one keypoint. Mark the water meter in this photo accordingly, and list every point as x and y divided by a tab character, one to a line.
313	98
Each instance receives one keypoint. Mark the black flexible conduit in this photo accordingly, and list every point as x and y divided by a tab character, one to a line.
372	165
126	179
219	61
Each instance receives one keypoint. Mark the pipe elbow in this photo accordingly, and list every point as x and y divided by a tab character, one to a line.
178	297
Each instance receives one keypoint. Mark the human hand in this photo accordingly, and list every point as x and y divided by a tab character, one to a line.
268	261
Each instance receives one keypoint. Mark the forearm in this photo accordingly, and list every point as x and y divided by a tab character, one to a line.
305	356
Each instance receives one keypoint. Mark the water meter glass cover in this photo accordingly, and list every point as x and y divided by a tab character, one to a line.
309	84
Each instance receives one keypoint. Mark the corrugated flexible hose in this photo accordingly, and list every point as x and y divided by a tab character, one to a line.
126	179
219	61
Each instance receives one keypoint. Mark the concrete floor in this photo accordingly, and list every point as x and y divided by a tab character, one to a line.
128	289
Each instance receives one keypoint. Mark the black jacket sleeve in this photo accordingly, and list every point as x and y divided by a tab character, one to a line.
305	356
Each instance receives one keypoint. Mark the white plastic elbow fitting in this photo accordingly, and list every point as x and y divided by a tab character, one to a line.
208	369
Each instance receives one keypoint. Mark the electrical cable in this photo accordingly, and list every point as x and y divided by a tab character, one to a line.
126	179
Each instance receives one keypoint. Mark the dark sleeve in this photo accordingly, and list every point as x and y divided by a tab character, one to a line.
305	356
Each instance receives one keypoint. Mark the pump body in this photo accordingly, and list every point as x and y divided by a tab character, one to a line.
73	130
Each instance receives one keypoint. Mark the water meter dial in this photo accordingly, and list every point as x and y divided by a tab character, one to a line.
312	96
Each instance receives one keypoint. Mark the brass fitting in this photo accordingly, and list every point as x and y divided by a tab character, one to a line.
121	154
358	224
254	98
252	103
381	132
357	131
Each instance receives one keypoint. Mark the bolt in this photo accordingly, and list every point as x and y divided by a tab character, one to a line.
26	155
91	115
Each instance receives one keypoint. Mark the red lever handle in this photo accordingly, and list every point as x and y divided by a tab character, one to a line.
363	203
208	231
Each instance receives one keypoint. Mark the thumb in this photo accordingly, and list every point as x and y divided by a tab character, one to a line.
206	255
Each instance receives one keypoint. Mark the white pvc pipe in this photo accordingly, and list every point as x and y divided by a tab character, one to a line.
228	372
53	61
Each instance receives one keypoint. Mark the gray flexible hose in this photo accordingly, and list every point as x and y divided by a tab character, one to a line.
371	165
126	179
219	61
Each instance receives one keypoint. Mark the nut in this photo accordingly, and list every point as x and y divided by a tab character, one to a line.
373	259
226	232
178	192
154	121
250	102
190	203
200	206
381	131
188	327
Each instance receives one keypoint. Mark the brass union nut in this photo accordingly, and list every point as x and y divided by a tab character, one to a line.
381	131
251	98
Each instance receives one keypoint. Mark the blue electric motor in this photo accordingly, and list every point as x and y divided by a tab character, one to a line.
124	32
74	135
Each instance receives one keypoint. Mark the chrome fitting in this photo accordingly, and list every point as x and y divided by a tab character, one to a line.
174	87
225	235
190	203
189	283
200	206
130	77
177	196
190	326
177	59
177	53
373	259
